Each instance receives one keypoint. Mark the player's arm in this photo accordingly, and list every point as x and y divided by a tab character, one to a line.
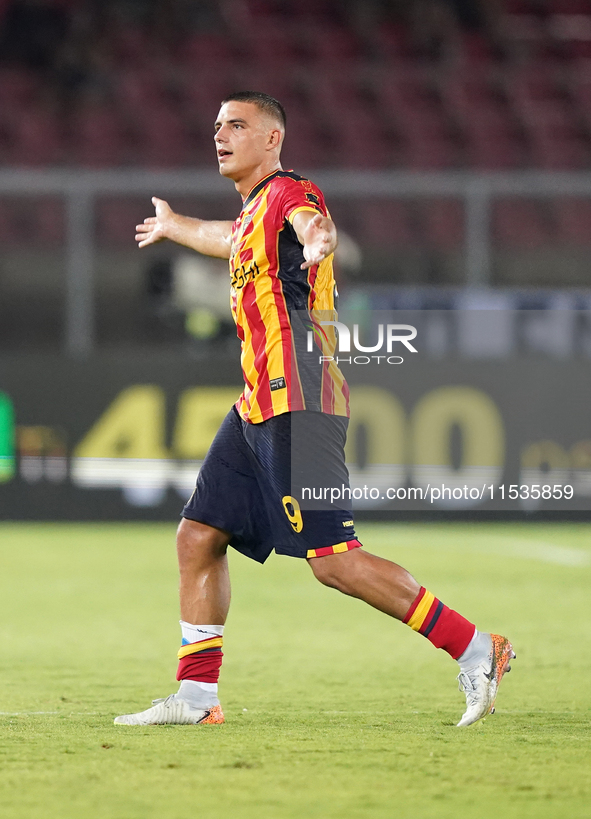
318	235
205	236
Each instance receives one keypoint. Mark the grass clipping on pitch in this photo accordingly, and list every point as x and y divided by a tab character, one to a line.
333	710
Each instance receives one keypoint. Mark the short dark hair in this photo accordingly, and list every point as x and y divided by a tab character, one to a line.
264	102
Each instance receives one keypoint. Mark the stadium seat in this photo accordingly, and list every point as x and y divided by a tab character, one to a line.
201	92
97	136
205	51
32	222
50	222
387	224
138	89
443	223
536	81
556	142
304	148
19	90
131	45
332	45
116	220
392	42
35	138
490	152
425	138
579	83
331	92
578	7
398	89
519	223
162	139
573	221
278	84
464	92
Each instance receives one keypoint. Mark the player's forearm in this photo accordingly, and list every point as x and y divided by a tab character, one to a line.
208	237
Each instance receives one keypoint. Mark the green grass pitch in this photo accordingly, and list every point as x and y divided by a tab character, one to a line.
333	710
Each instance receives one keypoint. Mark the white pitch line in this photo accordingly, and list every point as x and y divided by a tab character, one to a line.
546	552
51	713
522	548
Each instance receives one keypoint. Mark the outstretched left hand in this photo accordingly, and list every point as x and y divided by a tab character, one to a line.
320	240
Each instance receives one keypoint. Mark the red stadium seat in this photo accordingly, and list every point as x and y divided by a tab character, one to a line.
443	224
573	221
331	44
534	82
116	220
519	223
569	7
580	89
427	153
26	222
474	48
425	139
493	153
521	6
304	147
202	91
393	42
331	93
131	45
358	139
277	84
137	90
162	139
399	89
36	138
490	138
555	139
97	136
465	92
205	51
386	224
18	90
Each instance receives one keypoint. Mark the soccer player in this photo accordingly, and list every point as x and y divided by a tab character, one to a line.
280	250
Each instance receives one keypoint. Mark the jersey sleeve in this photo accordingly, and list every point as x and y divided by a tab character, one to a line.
300	195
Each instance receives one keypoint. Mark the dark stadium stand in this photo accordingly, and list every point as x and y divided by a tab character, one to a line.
118	85
416	85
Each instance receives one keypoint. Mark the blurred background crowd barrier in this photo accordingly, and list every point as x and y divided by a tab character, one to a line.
452	139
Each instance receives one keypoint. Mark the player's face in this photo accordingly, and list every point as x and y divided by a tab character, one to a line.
243	138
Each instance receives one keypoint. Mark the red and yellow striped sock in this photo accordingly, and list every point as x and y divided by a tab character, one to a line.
444	627
201	661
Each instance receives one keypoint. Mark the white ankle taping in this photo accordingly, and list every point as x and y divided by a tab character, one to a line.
198	694
478	650
192	634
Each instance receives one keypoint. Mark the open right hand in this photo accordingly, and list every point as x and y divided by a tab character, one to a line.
155	228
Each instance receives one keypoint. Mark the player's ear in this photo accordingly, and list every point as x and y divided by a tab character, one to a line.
275	138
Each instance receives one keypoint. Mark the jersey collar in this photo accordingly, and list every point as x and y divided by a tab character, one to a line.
254	191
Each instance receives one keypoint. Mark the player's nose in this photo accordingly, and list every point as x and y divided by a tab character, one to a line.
220	135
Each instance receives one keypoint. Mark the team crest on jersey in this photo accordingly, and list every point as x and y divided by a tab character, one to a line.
246	222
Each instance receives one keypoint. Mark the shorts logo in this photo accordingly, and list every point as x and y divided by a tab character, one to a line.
277	383
348	523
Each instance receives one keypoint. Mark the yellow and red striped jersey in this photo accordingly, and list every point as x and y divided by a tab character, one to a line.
274	303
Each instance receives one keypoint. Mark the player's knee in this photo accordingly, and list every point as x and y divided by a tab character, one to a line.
329	572
196	541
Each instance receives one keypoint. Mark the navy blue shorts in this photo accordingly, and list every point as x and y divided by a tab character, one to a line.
249	482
